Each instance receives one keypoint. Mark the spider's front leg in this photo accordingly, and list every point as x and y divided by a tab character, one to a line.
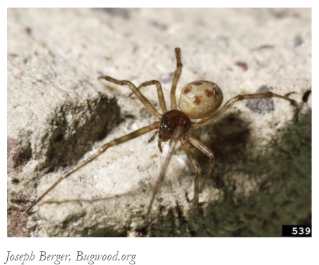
177	75
102	149
139	95
160	94
172	144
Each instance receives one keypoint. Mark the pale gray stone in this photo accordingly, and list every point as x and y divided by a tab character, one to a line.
58	113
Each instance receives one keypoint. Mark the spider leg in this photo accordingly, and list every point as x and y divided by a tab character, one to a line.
203	148
160	94
177	74
153	136
231	102
102	149
140	96
196	168
172	144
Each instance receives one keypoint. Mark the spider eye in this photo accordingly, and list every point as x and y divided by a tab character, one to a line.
200	98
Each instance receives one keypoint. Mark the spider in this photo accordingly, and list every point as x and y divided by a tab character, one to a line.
199	100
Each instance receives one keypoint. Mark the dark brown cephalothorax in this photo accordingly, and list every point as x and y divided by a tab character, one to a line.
199	100
169	123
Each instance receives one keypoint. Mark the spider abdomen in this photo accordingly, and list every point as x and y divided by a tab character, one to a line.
200	98
170	121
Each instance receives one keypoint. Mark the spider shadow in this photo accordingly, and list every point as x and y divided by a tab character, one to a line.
227	138
282	173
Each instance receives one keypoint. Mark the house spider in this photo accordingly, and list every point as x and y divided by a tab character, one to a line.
199	100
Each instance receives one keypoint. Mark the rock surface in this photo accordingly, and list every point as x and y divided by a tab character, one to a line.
58	112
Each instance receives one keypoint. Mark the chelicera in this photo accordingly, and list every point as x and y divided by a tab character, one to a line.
199	100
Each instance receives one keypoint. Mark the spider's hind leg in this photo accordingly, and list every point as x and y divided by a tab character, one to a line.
197	171
197	187
204	149
232	101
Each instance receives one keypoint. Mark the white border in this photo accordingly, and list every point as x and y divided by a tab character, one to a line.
174	250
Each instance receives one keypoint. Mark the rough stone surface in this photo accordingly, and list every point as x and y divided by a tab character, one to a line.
58	111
